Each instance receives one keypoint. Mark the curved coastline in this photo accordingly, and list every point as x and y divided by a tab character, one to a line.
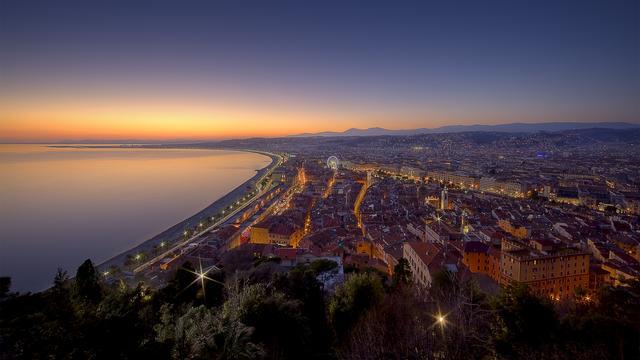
175	231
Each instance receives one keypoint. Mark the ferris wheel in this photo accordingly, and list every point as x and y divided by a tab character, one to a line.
332	162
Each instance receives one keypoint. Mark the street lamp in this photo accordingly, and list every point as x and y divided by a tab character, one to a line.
440	320
201	276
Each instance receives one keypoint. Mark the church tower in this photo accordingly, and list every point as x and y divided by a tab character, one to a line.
444	199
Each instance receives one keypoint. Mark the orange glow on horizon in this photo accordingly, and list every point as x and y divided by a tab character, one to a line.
149	121
49	119
64	117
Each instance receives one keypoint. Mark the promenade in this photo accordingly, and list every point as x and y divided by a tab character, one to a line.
174	234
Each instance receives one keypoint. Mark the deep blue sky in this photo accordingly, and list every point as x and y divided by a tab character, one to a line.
393	64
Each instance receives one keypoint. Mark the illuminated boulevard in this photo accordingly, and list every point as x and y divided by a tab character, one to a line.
262	184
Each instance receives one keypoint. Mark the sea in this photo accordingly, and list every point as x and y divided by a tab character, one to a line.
60	205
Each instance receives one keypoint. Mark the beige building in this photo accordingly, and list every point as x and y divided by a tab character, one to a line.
276	230
546	269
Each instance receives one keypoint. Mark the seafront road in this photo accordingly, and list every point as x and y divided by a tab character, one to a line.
173	233
193	239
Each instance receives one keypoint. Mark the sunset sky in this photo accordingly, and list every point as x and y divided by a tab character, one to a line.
159	70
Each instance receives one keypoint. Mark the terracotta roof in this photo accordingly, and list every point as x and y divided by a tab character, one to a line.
286	253
282	229
426	251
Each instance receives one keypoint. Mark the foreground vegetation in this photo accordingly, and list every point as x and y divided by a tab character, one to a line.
266	312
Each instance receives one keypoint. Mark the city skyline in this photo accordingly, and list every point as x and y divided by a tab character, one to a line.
156	71
287	179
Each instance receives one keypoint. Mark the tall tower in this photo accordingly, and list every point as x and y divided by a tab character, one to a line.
444	199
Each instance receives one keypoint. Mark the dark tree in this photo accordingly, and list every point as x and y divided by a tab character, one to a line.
402	273
302	285
87	283
322	265
353	300
5	286
524	321
182	288
280	325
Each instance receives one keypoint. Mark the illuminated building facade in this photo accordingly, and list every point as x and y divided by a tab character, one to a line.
548	271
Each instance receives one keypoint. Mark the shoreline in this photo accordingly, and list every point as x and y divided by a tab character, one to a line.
175	232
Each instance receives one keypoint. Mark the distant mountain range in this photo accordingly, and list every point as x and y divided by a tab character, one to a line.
510	128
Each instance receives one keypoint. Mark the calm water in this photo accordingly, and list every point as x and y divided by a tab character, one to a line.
59	206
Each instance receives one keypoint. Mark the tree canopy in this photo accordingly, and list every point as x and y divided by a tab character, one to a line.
289	314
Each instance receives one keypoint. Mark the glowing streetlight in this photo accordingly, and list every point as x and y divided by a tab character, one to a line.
106	273
201	276
441	320
162	244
